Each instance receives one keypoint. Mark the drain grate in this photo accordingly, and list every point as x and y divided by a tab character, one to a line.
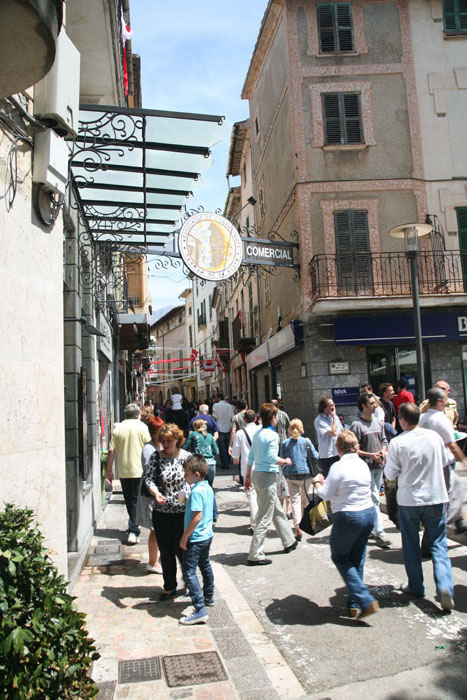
139	670
106	690
193	669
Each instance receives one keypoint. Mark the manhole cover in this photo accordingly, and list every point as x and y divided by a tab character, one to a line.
106	690
193	669
138	670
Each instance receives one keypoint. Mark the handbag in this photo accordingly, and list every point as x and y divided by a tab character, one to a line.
312	462
317	515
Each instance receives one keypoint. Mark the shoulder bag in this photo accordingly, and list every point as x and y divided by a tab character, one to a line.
317	515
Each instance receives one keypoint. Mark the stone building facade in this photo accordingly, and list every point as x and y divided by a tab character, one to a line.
355	113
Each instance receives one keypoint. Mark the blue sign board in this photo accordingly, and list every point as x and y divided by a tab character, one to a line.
346	395
398	329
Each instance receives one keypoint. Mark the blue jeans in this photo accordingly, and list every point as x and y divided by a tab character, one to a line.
223	443
434	520
210	480
197	554
349	537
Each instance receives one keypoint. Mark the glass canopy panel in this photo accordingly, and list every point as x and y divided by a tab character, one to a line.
134	169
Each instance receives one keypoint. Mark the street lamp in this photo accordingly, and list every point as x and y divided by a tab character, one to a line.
411	233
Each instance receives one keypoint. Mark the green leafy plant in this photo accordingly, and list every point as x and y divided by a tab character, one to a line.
45	649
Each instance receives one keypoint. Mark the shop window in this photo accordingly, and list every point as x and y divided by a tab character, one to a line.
342	118
267	389
335	27
353	260
455	17
389	363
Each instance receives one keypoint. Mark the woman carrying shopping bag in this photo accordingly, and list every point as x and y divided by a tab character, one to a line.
298	448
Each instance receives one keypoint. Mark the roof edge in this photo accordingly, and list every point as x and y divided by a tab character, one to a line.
268	25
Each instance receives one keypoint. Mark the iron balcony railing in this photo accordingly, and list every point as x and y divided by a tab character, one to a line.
386	274
243	334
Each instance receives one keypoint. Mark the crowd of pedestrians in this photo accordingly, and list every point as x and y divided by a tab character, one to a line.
167	470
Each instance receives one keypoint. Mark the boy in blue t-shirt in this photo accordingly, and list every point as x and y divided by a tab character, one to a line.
196	539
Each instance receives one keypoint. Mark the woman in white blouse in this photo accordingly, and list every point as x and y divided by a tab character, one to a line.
348	487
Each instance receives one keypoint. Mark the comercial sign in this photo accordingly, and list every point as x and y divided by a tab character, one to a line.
265	252
210	246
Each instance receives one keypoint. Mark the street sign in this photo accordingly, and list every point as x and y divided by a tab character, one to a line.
265	252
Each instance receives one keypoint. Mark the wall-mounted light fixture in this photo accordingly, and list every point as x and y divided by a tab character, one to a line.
92	330
303	370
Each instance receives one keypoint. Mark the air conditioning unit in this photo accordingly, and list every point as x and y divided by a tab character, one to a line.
56	97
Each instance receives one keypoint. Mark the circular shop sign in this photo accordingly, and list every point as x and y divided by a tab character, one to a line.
210	246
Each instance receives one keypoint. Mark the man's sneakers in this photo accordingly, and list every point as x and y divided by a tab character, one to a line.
196	617
133	538
447	602
382	542
209	602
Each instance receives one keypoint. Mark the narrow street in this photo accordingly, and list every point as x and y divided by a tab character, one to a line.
279	630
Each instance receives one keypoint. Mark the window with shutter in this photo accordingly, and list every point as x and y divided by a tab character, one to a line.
462	226
455	16
335	27
354	271
342	118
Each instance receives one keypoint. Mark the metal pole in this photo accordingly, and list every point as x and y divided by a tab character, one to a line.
117	375
413	255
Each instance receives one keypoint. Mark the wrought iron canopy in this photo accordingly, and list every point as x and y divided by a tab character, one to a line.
133	170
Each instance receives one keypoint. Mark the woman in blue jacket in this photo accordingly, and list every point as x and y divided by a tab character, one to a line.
296	447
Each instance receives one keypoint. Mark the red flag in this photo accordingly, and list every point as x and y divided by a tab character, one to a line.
194	355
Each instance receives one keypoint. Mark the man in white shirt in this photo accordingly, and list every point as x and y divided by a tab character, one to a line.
240	451
223	413
435	418
417	458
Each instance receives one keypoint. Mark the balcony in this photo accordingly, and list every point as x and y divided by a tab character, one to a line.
386	275
243	332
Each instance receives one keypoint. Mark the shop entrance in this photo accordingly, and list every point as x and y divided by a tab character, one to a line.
393	362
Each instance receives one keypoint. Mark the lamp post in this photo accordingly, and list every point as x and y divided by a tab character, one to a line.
411	233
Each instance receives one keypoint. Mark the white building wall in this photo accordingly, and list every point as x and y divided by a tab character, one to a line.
32	450
441	83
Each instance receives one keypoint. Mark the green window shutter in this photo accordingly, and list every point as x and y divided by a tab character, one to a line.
462	5
344	26
342	118
462	226
354	271
455	16
353	126
327	42
332	119
335	27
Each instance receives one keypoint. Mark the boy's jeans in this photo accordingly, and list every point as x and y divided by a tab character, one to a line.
197	554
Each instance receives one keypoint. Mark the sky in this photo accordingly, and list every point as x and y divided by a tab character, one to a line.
194	58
